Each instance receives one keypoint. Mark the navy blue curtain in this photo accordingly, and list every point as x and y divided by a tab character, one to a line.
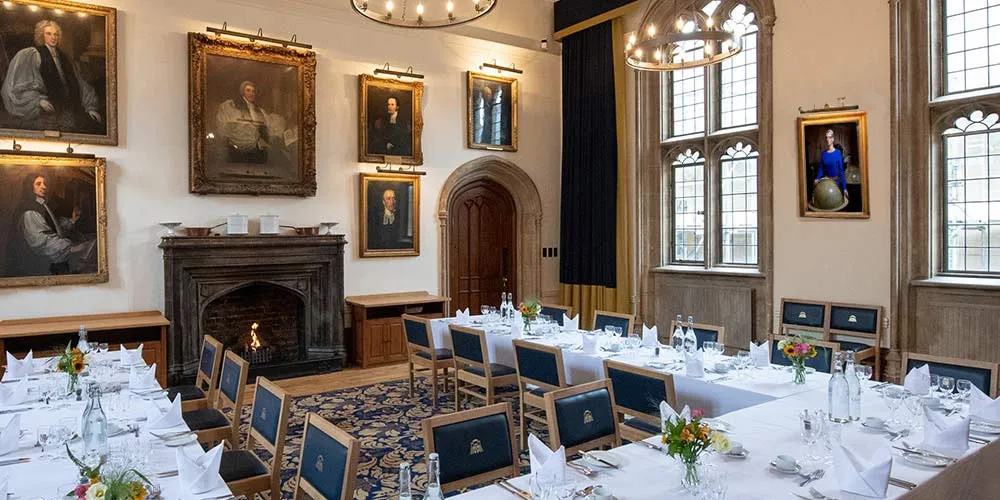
589	159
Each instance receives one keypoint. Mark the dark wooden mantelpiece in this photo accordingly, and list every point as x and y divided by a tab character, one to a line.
197	270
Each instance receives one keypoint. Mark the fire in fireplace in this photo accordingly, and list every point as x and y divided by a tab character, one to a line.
254	351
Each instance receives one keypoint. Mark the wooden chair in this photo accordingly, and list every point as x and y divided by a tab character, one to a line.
636	394
808	317
825	354
423	356
200	395
475	446
244	472
973	477
703	332
556	311
540	369
581	417
473	367
328	461
605	318
213	425
982	374
858	328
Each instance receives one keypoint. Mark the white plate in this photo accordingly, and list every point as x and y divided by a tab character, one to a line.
656	365
914	458
718	425
981	427
607	456
181	441
796	470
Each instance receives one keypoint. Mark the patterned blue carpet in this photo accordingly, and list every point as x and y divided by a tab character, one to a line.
388	424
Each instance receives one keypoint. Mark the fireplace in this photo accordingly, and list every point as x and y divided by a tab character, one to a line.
292	287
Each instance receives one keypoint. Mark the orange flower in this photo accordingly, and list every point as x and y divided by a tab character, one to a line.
789	350
812	352
703	431
687	435
78	366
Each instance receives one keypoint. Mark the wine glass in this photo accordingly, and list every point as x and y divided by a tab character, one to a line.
947	386
609	331
484	310
964	388
864	372
743	361
893	396
634	342
811	429
935	383
45	438
59	435
720	348
916	408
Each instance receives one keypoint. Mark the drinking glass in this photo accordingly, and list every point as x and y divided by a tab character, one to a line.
708	347
58	436
743	361
811	428
893	396
484	310
634	342
964	388
864	372
72	425
831	439
947	386
916	409
45	438
720	348
539	484
935	383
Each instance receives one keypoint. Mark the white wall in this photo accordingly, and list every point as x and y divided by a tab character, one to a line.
147	179
822	52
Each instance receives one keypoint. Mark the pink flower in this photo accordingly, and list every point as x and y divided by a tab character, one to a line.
801	348
81	490
697	413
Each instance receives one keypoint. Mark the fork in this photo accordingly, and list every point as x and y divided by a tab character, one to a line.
812	476
819	496
586	471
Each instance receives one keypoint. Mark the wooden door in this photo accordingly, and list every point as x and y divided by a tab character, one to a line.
482	224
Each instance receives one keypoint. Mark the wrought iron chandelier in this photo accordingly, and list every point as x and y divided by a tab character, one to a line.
669	38
415	14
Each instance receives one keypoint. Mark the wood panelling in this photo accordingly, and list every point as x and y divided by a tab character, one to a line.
956	323
715	301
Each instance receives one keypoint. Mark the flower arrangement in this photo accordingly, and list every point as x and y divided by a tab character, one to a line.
529	310
72	362
797	350
125	484
687	439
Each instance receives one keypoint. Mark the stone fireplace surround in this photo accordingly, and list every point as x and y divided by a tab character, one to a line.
201	270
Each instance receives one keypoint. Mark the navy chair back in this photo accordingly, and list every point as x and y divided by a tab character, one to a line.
855	319
980	377
804	316
269	414
208	359
582	417
474	446
232	377
328	461
623	321
466	346
417	332
556	312
539	364
637	389
705	335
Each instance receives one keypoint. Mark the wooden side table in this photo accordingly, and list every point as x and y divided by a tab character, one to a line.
378	337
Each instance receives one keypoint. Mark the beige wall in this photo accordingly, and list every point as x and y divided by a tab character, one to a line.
148	173
824	50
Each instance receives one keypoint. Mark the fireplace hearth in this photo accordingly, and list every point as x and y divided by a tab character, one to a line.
290	287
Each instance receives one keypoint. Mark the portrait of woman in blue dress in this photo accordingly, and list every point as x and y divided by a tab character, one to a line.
831	165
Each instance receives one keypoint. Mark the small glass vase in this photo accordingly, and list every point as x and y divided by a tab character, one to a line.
799	369
527	323
71	383
691	482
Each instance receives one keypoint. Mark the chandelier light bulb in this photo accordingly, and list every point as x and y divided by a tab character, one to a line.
708	49
658	55
632	39
389	6
680	22
651	30
638	53
420	9
450	6
709	22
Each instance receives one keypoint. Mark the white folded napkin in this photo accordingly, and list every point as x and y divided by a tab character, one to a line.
14	393
545	462
131	357
868	477
984	407
588	343
198	471
667	413
694	364
10	435
462	316
918	381
760	354
3	487
160	420
571	324
947	437
650	337
19	368
517	325
142	378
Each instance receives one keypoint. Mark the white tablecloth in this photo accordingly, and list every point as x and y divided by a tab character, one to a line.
41	479
762	407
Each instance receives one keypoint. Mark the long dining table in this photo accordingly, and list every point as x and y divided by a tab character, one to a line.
47	479
760	407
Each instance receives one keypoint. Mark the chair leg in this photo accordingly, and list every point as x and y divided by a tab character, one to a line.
411	379
489	394
524	428
457	402
434	388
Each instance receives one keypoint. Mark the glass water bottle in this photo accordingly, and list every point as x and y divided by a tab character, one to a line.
95	424
405	492
677	339
854	386
82	343
433	478
838	394
690	339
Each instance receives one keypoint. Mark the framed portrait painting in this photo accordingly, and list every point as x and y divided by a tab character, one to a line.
833	165
390	122
390	215
491	112
252	118
53	223
58	71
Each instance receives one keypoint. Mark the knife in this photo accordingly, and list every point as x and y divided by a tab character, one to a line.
599	459
906	485
16	410
15	461
649	445
925	454
514	490
978	440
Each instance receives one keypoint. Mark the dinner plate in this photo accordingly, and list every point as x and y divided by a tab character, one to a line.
796	470
718	425
564	345
607	456
656	365
983	427
917	459
181	441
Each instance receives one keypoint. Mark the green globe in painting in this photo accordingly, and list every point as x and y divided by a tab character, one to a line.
827	195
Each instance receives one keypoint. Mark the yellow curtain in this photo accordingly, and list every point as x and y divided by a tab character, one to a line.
587	298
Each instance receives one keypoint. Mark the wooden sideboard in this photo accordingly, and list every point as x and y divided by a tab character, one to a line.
49	336
377	337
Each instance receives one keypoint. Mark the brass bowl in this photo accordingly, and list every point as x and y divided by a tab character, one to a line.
198	231
307	231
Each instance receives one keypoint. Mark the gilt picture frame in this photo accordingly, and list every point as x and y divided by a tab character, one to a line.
53	226
252	118
391	122
389	216
68	93
491	112
833	165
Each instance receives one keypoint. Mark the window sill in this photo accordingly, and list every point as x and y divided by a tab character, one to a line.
714	271
959	282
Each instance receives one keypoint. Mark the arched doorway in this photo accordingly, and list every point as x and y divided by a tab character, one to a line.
482	244
497	184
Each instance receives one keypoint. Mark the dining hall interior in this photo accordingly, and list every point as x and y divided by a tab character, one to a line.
499	249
